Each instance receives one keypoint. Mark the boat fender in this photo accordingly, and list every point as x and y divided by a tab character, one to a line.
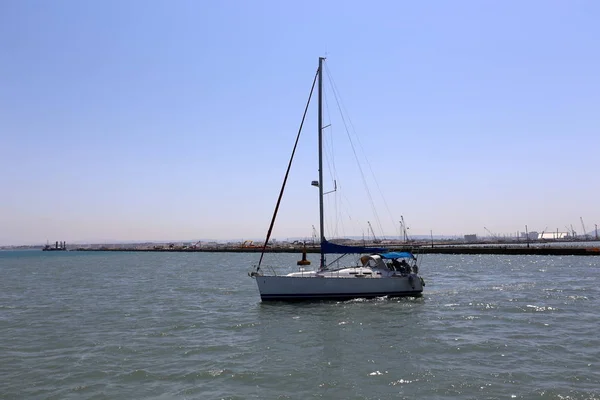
422	281
410	280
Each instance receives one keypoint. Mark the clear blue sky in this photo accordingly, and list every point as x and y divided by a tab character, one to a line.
174	120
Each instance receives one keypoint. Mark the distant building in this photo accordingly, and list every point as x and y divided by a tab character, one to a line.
471	238
531	235
554	235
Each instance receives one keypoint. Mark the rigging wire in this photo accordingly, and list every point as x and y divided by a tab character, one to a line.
392	219
330	160
342	113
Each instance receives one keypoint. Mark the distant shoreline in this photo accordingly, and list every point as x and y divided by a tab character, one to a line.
506	250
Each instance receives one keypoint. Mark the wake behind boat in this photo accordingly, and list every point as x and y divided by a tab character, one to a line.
377	273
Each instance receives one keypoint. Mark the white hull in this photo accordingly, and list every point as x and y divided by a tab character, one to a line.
321	286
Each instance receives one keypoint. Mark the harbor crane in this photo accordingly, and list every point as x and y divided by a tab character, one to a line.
375	240
491	234
571	231
404	229
583	227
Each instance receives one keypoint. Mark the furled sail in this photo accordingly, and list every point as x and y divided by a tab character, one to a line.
333	248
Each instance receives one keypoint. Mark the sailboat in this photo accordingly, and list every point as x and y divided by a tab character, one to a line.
377	272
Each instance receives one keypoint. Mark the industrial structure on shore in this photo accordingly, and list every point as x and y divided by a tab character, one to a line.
58	246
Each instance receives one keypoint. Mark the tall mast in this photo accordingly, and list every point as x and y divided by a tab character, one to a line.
320	127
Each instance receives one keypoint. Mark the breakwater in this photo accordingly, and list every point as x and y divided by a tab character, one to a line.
506	250
545	251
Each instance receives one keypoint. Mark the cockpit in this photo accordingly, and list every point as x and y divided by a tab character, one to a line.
403	262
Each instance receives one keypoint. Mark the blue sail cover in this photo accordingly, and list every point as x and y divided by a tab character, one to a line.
396	254
332	248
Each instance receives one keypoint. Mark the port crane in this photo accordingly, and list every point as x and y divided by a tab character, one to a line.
404	229
571	231
583	227
375	240
491	234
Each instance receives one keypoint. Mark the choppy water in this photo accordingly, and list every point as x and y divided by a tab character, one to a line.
191	326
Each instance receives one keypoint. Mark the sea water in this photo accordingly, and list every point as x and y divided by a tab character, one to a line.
112	325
